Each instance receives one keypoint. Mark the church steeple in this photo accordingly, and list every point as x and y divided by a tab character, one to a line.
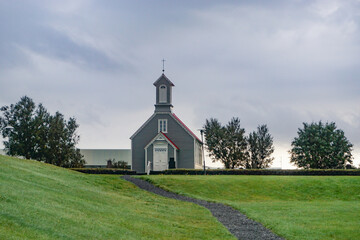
163	94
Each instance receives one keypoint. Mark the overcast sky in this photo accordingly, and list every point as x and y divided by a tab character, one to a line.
278	63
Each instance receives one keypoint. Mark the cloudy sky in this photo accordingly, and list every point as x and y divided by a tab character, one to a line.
278	63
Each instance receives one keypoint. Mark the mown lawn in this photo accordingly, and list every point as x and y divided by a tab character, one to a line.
41	201
295	207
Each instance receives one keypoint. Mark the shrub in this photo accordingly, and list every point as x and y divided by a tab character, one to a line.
295	172
105	171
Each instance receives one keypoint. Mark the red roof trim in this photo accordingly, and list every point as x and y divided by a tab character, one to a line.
170	140
183	124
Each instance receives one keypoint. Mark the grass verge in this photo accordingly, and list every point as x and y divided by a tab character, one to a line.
295	207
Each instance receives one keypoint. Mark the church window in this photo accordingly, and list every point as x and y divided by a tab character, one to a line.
163	125
162	94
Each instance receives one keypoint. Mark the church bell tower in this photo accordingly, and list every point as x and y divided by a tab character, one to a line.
163	94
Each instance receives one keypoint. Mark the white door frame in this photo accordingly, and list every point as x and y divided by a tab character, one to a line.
163	163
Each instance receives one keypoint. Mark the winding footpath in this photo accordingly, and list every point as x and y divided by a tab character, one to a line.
237	223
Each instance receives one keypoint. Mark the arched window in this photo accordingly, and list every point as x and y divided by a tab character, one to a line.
162	94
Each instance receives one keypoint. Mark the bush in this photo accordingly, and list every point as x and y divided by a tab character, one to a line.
104	171
117	164
295	172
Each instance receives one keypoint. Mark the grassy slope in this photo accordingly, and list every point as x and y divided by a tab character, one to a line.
296	207
40	201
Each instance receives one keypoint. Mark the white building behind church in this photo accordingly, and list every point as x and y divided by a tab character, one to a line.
97	158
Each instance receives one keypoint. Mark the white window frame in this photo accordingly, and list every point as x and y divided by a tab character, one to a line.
162	125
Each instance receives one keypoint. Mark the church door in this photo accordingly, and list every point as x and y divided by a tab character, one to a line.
160	157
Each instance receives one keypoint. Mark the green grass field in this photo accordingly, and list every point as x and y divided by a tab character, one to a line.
41	201
295	207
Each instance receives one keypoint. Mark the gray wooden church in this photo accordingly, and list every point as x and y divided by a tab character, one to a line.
164	140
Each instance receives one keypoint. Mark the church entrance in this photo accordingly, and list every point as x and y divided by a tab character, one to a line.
160	157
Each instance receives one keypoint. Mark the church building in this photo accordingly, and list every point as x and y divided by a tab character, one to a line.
164	141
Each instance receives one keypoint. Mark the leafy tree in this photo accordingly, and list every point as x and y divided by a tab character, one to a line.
38	135
76	159
41	127
21	118
61	141
226	143
321	146
260	148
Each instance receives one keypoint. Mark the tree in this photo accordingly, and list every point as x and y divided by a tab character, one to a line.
38	135
260	148
61	141
41	128
321	146
226	143
21	118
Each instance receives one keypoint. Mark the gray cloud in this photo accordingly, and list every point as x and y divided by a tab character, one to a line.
279	63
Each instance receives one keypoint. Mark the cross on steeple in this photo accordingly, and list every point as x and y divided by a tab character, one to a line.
163	70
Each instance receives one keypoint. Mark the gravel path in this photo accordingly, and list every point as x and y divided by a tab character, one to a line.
237	223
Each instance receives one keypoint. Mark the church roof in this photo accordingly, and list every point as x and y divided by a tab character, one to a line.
186	128
165	78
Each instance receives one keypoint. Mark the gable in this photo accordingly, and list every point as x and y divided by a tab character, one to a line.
162	136
167	116
150	128
163	80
